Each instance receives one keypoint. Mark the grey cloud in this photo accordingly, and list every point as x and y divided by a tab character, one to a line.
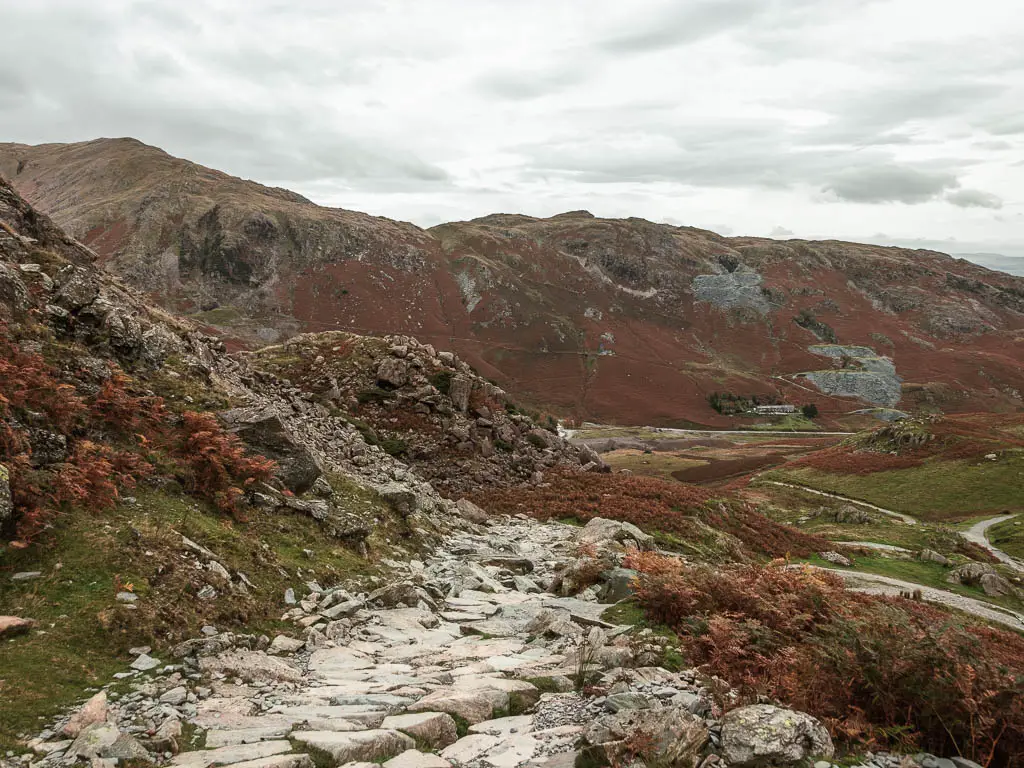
875	117
13	90
531	103
523	84
163	16
974	198
92	84
741	154
680	23
781	232
771	27
993	144
890	184
1006	125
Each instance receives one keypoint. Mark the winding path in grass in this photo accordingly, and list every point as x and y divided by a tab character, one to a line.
898	515
874	545
976	534
873	584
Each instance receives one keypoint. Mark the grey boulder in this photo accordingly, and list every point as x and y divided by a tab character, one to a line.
763	734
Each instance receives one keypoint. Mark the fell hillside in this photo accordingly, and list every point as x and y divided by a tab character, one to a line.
166	506
940	469
152	484
623	321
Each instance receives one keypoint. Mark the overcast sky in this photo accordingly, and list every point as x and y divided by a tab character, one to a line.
887	120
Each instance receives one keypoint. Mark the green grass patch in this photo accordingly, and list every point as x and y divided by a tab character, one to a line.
83	632
791	422
544	684
219	316
628	612
1009	536
811	513
936	490
650	464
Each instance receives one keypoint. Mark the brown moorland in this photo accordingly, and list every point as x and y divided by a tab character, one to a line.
619	320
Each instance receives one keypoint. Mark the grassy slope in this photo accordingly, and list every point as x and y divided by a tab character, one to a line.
1009	536
937	490
84	633
798	508
794	422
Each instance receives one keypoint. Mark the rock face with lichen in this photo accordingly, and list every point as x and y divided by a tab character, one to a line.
762	734
732	290
860	372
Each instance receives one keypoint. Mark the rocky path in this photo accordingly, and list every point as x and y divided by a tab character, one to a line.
976	534
462	660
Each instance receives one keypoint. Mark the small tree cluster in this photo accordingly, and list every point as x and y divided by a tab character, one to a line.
729	403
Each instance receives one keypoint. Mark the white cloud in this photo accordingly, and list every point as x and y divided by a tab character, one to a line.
851	116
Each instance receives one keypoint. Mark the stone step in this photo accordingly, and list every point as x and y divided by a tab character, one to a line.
430	729
413	758
234	737
229	755
278	761
373	746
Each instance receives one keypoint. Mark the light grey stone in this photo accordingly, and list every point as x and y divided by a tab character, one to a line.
374	745
765	734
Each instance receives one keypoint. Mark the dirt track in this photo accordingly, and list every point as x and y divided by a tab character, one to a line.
884	585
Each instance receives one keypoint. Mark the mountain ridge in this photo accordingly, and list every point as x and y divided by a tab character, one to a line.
619	320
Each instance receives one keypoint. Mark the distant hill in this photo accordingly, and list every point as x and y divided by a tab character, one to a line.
1013	265
615	320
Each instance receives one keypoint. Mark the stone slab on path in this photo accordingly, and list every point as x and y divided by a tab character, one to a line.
431	729
413	758
471	706
375	745
232	754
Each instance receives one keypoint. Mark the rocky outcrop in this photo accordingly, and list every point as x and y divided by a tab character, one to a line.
676	736
733	290
14	625
860	373
425	407
931	556
981	575
611	535
863	385
265	432
94	711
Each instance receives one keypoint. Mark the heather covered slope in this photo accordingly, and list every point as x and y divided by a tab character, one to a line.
623	321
